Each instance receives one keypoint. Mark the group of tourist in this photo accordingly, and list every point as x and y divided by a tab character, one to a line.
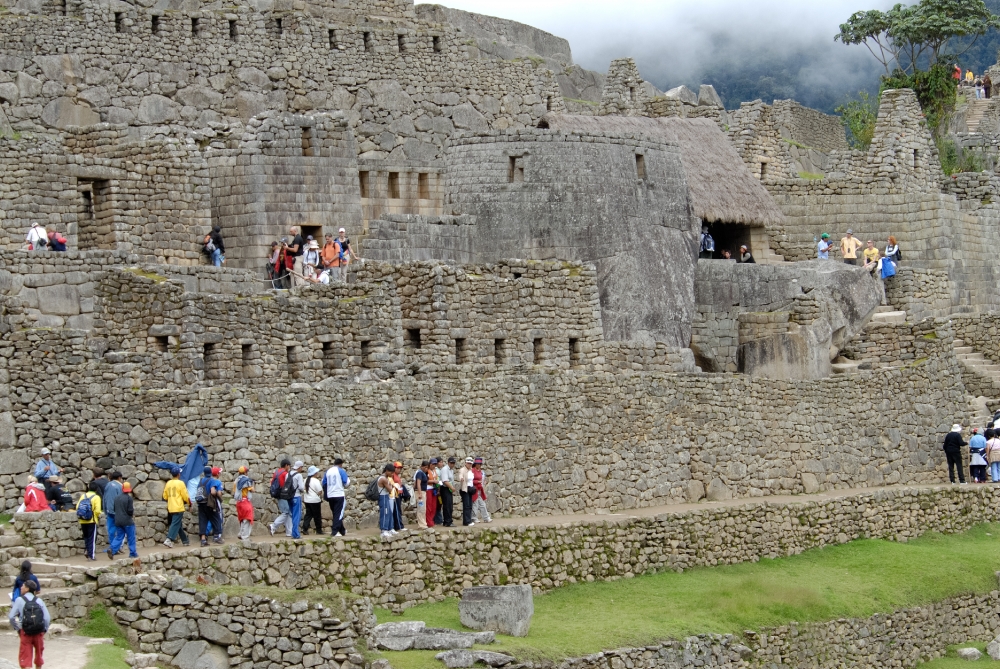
297	261
984	452
982	85
38	239
706	250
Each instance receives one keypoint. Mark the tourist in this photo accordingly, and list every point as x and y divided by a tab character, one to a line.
243	494
176	495
871	253
345	252
977	457
58	498
295	250
387	497
312	498
88	511
707	245
403	496
111	492
56	241
124	523
214	247
432	486
823	248
295	505
100	480
957	73
45	468
310	259
849	247
23	576
953	444
34	497
37	239
746	257
282	491
988	86
993	453
209	500
466	489
273	273
30	619
479	510
727	254
446	493
979	88
334	483
420	485
892	250
284	267
330	252
969	76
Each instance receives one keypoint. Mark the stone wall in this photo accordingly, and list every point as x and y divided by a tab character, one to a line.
395	574
809	127
921	293
982	332
894	345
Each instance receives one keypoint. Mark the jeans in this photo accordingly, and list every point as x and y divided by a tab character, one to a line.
480	510
397	514
112	528
176	527
89	538
385	513
995	471
296	510
337	505
955	462
123	533
209	514
314	515
284	517
217	258
447	507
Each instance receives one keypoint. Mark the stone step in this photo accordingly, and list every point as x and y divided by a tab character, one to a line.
8	541
959	342
962	350
845	367
884	309
889	318
971	357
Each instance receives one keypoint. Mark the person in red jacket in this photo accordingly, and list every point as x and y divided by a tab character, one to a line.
479	510
34	497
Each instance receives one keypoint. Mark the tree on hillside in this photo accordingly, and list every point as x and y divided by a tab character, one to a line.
916	37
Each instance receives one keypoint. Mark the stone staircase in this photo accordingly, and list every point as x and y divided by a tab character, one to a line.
882	316
976	112
887	316
980	375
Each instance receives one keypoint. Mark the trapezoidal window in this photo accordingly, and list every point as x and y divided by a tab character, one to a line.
393	185
94	215
292	358
119	22
331	359
423	186
515	170
332	35
537	350
462	353
763	171
500	351
401	43
363	180
436	44
368	42
366	352
575	359
640	165
212	360
411	338
154	24
196	27
307	142
234	30
161	343
247	360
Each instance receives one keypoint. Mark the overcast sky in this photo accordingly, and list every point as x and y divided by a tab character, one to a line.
674	41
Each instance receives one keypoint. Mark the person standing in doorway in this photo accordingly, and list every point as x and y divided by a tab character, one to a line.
953	444
334	483
30	618
849	247
175	493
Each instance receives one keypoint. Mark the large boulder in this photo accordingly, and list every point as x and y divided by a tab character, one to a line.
64	113
684	94
506	609
458	659
416	635
708	97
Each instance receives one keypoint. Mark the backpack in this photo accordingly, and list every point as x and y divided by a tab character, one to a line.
345	248
898	255
371	492
209	247
84	510
32	617
276	485
203	496
287	490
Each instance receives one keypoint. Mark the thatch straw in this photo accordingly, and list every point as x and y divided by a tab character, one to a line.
720	186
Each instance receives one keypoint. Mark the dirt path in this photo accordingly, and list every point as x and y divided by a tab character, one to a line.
64	651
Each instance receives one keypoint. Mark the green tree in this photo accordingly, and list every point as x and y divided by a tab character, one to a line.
859	116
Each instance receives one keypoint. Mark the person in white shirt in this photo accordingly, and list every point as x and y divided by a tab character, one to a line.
37	237
446	491
334	482
465	481
312	498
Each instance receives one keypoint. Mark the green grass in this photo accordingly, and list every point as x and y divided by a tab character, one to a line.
812	176
852	580
100	625
106	656
953	661
5	518
332	599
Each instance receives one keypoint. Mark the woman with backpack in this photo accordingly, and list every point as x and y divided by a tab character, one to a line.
892	250
23	577
312	497
88	511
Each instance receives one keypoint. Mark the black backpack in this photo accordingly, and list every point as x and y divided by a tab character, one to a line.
372	492
276	485
32	617
287	491
203	497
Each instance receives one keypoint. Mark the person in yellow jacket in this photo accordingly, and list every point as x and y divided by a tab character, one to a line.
88	510
176	495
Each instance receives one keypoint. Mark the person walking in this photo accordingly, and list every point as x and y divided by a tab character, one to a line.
446	499
242	493
953	444
30	618
466	488
209	500
823	248
387	497
124	523
480	511
282	491
993	454
420	480
23	577
111	492
176	495
88	511
334	483
295	505
977	457
849	247
402	496
312	498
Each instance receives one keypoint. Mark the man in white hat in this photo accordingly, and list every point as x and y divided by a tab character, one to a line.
45	467
953	444
465	481
37	237
343	255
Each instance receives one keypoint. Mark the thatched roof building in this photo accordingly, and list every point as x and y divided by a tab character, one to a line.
720	186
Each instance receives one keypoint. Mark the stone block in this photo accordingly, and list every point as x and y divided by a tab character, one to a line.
458	659
63	113
505	609
190	653
59	300
216	633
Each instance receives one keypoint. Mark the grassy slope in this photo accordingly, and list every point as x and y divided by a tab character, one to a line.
953	661
100	624
853	580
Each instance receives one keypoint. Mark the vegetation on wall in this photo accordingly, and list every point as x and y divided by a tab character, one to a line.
858	116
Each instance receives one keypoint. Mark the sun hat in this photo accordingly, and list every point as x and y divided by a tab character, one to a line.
956	428
314	244
824	236
174	471
478	461
469	461
342	230
313	469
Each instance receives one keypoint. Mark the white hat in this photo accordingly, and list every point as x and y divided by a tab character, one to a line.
956	428
298	464
46	451
342	230
469	461
314	244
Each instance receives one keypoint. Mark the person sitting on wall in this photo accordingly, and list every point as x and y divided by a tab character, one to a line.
37	239
871	254
214	247
34	497
45	467
56	241
58	498
849	247
746	257
892	250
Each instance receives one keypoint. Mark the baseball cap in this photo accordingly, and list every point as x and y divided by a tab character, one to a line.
434	461
451	460
850	231
174	471
825	236
46	451
207	471
342	230
298	464
397	464
127	487
469	461
216	471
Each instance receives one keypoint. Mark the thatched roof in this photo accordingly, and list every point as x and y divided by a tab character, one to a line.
720	186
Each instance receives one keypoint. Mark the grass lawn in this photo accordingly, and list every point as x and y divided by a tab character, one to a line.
851	580
100	625
953	661
107	656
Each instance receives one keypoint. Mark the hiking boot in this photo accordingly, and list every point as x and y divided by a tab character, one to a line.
217	540
204	543
111	556
168	543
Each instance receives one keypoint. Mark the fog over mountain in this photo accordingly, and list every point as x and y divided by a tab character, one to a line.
769	49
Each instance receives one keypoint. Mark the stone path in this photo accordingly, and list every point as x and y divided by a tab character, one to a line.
61	652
